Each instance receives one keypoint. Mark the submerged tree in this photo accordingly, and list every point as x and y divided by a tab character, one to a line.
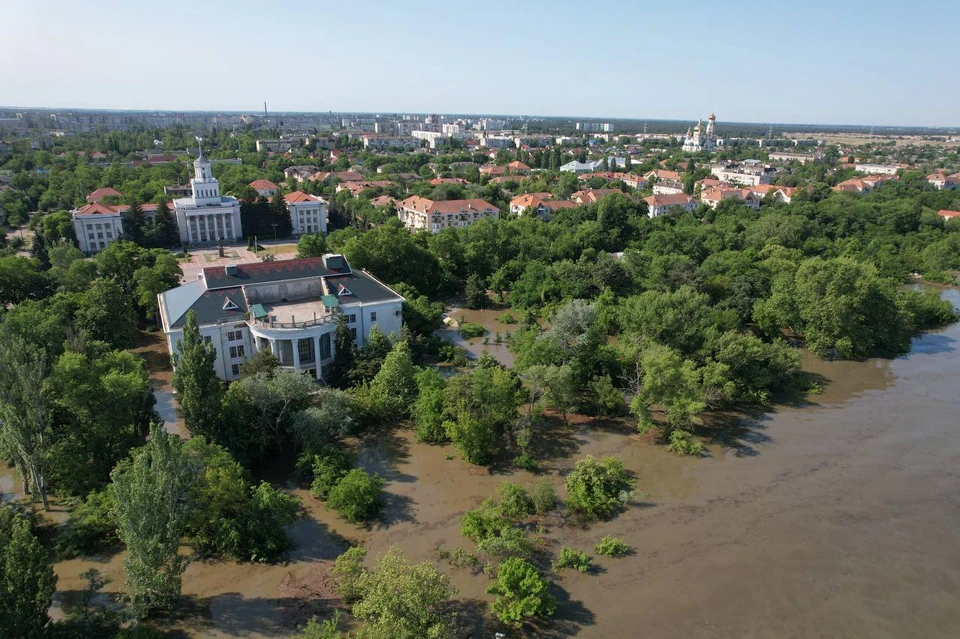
24	410
27	580
151	496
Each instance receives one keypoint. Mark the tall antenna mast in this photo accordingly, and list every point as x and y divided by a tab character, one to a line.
264	108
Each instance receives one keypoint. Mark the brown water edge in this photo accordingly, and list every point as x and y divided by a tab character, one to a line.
487	317
153	348
836	519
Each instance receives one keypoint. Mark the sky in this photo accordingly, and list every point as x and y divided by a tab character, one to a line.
885	62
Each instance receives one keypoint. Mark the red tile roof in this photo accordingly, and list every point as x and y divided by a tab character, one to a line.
424	205
300	196
103	192
944	213
263	185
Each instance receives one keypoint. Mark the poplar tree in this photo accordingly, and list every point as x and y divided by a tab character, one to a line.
27	581
151	507
199	390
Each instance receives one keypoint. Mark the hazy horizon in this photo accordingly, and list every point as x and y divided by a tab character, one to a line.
809	64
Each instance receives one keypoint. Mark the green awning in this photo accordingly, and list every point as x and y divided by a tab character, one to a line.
330	301
258	311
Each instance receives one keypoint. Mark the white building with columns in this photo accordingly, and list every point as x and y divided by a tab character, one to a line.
291	307
207	217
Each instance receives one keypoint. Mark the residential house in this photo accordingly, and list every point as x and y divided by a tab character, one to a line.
659	204
266	188
668	187
713	197
942	181
289	307
299	172
949	215
99	194
419	213
592	196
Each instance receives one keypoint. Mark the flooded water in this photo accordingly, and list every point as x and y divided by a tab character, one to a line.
835	518
153	348
490	318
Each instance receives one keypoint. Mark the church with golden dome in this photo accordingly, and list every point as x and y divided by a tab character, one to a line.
700	139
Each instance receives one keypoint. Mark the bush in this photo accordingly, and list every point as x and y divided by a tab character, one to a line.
91	528
482	522
607	399
469	330
509	541
515	502
521	593
611	547
356	497
569	558
348	574
598	488
329	467
683	443
544	497
926	309
507	318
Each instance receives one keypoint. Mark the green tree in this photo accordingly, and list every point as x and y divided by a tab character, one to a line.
27	581
280	216
356	497
521	593
394	388
25	411
598	488
198	388
480	405
151	492
344	355
311	245
428	409
106	314
403	601
475	293
20	279
153	280
134	222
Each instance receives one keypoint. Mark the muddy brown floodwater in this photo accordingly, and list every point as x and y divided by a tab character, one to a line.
835	518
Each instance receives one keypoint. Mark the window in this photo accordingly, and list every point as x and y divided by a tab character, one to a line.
235	369
234	336
236	352
352	318
373	316
206	339
353	333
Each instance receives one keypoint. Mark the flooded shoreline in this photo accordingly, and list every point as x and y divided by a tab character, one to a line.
833	518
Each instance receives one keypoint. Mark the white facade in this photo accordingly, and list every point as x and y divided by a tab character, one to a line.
293	312
96	232
878	169
207	217
308	213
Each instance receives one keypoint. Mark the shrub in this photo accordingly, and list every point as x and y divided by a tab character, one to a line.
611	547
515	502
348	573
510	541
329	467
569	558
507	318
91	528
469	330
544	497
356	497
482	522
598	488
521	593
607	399
683	443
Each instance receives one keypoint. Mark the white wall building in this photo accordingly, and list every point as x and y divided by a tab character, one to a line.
207	216
290	307
878	169
419	213
98	225
308	213
659	204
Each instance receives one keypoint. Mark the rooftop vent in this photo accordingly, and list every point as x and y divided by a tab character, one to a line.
231	269
228	305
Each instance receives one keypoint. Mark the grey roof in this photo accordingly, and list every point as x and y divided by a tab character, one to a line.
177	301
361	287
261	272
209	307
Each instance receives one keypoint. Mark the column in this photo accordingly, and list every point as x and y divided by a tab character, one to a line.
189	222
223	226
206	226
295	343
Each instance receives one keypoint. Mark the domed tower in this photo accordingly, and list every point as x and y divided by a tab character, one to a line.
711	125
206	188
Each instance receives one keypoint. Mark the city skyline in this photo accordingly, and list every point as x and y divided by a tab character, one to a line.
812	64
